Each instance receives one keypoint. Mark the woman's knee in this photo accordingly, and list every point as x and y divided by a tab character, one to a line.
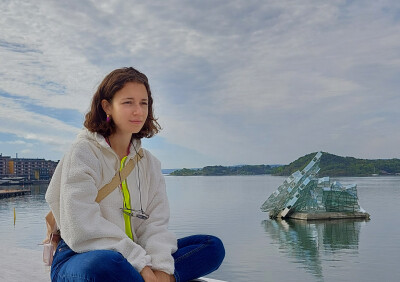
218	250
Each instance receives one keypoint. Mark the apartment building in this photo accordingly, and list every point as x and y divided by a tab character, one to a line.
32	169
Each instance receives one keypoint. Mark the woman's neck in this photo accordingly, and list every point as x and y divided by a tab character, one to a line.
120	144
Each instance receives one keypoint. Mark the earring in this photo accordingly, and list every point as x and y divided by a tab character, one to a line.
108	118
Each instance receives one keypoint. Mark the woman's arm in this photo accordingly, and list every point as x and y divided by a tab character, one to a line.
153	233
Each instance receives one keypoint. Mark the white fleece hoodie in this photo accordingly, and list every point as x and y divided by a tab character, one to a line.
86	225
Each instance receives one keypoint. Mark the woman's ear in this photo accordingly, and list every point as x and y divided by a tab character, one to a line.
106	106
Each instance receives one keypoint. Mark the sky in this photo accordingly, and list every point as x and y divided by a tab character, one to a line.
234	82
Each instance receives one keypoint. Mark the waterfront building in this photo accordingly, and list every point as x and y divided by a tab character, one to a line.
4	165
30	169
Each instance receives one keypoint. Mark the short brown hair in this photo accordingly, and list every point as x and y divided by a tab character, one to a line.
95	119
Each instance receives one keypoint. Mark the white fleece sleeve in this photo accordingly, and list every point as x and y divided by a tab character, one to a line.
82	225
153	233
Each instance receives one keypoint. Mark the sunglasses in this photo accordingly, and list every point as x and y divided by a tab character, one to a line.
135	213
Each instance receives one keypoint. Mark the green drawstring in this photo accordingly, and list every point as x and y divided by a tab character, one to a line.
127	203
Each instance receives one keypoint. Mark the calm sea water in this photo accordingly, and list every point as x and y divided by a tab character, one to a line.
257	248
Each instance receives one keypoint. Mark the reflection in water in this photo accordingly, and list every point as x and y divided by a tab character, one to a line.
306	241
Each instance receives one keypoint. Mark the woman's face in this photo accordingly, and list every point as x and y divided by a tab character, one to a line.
129	108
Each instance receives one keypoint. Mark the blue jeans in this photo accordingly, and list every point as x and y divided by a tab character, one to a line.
196	256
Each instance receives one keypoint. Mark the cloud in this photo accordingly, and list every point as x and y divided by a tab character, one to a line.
33	127
233	81
19	142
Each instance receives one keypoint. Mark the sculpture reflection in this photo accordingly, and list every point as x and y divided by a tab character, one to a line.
307	242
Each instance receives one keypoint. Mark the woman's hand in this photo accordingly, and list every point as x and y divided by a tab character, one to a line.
156	276
148	275
163	277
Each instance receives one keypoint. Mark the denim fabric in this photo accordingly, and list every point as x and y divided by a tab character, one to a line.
196	256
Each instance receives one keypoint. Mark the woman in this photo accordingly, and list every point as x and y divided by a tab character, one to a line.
125	237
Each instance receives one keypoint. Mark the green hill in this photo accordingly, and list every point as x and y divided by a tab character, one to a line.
225	170
332	165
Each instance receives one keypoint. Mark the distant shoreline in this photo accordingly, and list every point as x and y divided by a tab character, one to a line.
331	165
378	175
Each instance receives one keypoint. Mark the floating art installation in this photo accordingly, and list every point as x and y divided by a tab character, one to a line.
305	196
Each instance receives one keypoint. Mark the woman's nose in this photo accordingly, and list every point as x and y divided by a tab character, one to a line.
137	110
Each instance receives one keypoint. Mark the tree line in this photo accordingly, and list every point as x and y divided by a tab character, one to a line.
330	165
225	170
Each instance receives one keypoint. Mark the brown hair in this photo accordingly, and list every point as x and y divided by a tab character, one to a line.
95	119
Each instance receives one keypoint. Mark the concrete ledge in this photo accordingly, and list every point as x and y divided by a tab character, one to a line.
329	215
206	280
21	265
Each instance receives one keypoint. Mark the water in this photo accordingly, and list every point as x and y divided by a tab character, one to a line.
257	248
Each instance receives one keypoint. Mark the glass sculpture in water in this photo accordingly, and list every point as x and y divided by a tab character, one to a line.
303	192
